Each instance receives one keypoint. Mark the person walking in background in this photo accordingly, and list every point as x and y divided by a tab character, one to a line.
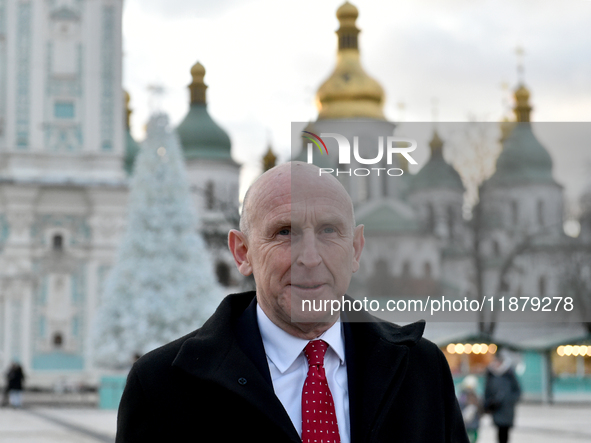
501	394
471	406
15	378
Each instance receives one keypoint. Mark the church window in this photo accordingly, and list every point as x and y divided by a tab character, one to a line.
222	271
450	221
542	286
514	212
58	340
381	281
57	243
63	110
209	195
406	269
540	212
430	218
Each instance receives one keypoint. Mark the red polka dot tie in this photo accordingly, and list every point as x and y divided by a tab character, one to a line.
319	421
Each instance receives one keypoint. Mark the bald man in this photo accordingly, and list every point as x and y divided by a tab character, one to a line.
262	369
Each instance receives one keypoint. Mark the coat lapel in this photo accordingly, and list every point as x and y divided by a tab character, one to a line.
376	354
250	341
377	359
215	355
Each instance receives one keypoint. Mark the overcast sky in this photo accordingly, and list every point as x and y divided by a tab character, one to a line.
266	58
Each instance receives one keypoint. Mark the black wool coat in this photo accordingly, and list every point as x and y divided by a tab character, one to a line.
214	385
501	394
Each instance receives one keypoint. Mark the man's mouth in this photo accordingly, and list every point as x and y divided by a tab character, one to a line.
309	286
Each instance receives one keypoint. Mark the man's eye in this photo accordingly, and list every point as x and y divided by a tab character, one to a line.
329	230
284	231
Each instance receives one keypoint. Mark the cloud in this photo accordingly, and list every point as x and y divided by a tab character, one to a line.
185	8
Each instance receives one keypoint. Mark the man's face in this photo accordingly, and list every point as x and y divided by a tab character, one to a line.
302	244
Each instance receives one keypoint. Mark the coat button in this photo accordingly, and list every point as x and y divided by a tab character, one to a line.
242	381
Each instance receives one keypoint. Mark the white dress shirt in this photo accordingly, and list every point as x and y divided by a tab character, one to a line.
289	367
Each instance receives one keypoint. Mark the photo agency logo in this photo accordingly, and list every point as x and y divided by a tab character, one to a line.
394	145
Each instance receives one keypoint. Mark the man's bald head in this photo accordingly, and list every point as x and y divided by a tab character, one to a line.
291	175
298	238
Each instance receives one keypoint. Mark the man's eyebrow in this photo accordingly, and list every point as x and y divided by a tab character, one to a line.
280	222
329	219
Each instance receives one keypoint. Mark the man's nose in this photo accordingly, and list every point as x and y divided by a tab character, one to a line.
307	251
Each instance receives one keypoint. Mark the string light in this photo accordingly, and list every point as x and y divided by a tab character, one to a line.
469	348
574	350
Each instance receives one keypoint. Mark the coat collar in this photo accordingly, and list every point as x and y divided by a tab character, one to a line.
376	352
377	360
214	354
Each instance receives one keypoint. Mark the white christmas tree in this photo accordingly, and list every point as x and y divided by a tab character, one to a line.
162	285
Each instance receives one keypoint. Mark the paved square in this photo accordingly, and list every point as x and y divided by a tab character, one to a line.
534	424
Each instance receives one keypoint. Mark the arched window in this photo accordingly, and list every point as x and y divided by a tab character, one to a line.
222	271
430	218
58	340
427	269
209	195
406	269
514	212
381	282
542	286
540	210
450	221
57	242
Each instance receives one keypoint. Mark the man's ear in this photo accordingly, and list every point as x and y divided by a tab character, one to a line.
358	243
238	245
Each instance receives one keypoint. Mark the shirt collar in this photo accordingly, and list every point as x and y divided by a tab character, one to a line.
283	348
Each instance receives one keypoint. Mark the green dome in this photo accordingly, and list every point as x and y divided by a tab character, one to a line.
201	137
437	173
523	160
387	218
131	150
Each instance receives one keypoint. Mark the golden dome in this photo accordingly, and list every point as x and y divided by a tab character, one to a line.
198	71
522	107
349	92
347	11
269	159
522	94
197	86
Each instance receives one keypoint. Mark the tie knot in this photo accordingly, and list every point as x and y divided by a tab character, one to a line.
314	352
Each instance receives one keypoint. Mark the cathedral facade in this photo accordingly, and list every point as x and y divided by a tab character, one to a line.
66	154
63	188
419	242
